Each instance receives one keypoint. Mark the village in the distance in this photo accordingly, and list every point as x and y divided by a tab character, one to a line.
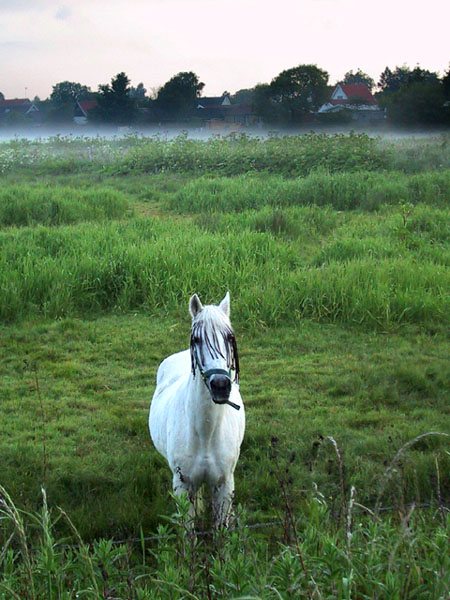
298	97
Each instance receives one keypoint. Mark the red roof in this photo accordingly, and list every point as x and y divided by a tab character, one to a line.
15	102
355	91
87	105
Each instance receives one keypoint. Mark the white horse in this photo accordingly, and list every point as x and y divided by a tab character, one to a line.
197	418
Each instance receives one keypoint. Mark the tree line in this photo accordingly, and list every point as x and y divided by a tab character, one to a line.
409	96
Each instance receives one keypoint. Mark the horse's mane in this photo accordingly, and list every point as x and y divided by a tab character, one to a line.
207	326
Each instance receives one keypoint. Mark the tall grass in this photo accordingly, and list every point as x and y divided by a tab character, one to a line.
25	205
305	222
125	265
122	266
312	555
343	191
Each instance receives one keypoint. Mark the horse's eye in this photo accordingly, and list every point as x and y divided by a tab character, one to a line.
230	337
196	339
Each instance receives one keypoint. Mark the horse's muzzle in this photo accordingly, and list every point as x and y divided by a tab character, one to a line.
218	382
220	386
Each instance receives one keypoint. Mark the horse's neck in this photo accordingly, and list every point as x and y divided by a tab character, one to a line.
205	416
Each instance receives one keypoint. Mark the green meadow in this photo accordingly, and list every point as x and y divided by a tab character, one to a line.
335	249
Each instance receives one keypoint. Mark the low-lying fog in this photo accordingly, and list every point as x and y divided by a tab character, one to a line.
43	133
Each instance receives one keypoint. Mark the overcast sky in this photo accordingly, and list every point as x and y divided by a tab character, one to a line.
229	44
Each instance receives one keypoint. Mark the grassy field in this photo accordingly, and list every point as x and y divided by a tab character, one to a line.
336	253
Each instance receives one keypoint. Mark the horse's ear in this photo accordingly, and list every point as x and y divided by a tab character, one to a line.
225	304
195	306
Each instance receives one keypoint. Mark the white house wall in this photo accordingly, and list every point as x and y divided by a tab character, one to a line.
339	94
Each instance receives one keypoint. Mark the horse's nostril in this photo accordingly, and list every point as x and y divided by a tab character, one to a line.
220	383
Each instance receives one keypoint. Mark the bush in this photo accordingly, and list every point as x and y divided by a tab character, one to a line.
341	117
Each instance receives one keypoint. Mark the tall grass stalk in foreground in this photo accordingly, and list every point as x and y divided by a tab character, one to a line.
390	469
12	517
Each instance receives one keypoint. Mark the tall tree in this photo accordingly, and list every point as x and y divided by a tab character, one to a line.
419	75
446	84
419	103
178	96
59	114
359	77
244	96
299	90
114	103
68	91
138	92
392	81
264	105
2	97
413	96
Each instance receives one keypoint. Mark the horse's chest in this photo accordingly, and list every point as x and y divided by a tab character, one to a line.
207	468
204	449
207	462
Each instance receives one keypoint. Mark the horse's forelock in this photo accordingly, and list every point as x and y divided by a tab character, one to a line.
212	317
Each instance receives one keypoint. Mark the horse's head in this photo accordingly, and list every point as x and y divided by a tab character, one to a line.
213	347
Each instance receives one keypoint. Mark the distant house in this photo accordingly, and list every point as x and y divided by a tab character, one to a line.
356	100
19	106
82	108
214	101
220	113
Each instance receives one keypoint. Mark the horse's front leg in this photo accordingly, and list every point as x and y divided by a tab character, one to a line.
181	485
222	499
